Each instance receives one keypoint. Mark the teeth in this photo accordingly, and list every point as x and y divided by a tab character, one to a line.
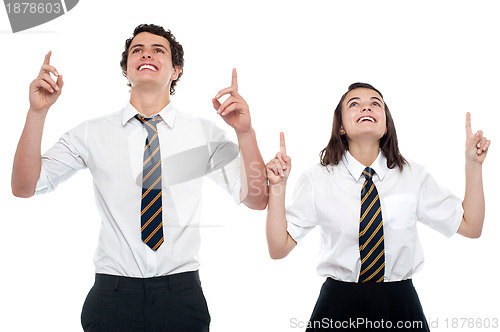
147	67
366	118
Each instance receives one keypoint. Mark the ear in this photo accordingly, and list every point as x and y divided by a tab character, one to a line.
342	131
126	77
177	72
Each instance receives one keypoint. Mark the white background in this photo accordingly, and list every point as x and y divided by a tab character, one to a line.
433	61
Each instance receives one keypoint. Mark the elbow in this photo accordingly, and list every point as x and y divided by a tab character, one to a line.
22	192
262	205
22	187
470	233
256	204
276	257
277	254
475	235
264	199
471	229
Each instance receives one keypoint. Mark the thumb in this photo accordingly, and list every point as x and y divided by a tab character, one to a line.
215	103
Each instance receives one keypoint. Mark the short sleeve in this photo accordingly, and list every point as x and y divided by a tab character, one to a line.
301	214
224	165
63	160
438	208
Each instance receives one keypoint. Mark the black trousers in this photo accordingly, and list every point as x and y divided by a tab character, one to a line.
161	304
386	306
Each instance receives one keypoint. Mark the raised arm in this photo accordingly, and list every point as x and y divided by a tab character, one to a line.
279	242
476	148
43	93
235	112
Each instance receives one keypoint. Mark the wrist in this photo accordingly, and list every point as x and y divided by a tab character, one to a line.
278	188
473	165
41	113
247	134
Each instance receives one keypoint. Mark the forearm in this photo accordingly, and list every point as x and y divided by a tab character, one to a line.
279	242
27	160
473	204
254	192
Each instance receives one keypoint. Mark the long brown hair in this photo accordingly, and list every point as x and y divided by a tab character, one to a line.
332	154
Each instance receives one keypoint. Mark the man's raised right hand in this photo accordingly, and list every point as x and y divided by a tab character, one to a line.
44	91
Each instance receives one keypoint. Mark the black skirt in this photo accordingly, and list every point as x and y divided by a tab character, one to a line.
385	306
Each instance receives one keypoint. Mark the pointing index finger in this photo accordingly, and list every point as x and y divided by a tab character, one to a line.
233	89
468	127
282	143
46	61
234	80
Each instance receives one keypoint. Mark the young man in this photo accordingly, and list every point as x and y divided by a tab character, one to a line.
147	162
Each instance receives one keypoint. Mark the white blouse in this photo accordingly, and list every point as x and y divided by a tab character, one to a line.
330	197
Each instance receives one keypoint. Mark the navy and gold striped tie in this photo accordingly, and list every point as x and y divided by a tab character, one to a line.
371	232
151	205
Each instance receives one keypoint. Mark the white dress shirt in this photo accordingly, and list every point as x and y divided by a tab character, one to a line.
111	147
330	197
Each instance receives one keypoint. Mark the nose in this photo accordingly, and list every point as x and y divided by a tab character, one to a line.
366	108
146	54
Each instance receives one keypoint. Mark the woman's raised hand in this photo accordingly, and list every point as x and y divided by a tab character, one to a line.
279	168
476	145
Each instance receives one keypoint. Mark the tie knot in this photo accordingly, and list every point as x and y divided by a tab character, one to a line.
148	121
368	173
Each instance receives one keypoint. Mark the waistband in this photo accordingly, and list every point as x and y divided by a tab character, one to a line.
169	281
407	283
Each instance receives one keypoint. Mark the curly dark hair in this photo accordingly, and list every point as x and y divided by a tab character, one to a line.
175	47
338	145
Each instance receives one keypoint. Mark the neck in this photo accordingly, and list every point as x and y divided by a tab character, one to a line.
149	101
365	153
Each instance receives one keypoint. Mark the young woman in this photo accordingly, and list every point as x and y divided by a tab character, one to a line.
366	199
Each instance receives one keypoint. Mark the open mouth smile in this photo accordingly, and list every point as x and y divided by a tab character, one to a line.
147	66
366	118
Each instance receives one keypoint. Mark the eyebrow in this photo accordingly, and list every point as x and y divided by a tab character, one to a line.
357	98
153	45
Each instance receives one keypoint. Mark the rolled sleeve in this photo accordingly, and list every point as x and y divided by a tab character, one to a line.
62	160
42	185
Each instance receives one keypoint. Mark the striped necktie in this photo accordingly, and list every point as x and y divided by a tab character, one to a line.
371	232
151	205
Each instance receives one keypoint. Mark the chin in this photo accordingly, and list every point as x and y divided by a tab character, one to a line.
367	136
145	82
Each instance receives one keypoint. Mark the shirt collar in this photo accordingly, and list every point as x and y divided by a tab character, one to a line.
355	168
168	114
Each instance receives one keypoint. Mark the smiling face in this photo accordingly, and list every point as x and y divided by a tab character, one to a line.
150	61
363	115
